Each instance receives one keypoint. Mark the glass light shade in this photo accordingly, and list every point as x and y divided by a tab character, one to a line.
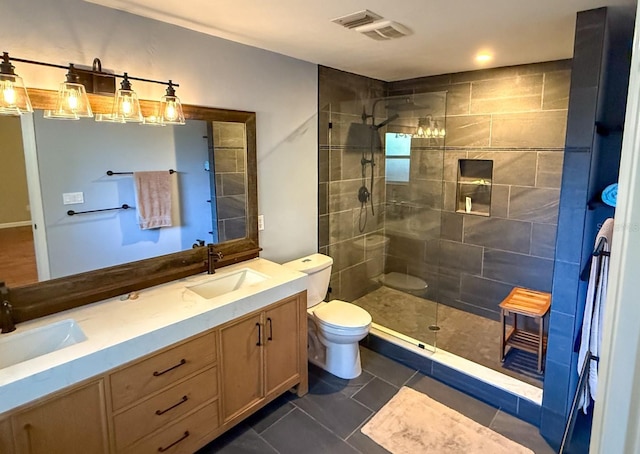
126	107
72	103
171	111
14	99
152	120
106	118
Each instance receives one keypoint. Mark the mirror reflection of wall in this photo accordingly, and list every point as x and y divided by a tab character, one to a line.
74	156
17	266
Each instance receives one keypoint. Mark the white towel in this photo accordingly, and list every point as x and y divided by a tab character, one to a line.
591	339
153	199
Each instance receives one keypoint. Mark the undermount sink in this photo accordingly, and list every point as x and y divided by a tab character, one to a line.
228	282
19	347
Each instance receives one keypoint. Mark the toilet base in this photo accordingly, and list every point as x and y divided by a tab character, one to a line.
341	360
339	370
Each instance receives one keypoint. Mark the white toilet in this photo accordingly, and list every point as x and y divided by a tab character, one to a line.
336	327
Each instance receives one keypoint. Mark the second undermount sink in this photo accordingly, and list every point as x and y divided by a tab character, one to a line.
23	346
228	282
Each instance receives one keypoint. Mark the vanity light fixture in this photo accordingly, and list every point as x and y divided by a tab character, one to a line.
421	130
14	99
126	106
171	108
72	102
428	128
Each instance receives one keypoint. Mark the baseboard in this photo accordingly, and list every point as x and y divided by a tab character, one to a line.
11	225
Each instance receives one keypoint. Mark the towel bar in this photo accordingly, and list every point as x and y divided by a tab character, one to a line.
111	172
123	207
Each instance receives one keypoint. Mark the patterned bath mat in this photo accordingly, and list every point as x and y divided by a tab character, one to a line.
412	422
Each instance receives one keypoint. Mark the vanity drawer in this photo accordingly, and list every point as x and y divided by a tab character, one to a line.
182	437
165	407
158	371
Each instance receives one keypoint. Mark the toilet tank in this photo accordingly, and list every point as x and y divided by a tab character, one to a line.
318	267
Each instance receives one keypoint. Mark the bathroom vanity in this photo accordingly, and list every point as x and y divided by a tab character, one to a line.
166	369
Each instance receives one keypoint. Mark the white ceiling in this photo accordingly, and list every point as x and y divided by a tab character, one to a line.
446	34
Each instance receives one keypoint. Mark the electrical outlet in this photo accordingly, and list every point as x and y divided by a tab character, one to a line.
71	198
261	222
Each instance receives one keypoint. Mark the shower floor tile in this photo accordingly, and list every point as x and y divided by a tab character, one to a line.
467	335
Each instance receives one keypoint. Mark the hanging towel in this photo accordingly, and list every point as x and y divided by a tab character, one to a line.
153	199
591	339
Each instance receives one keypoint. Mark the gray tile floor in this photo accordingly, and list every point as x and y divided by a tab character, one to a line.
329	418
464	334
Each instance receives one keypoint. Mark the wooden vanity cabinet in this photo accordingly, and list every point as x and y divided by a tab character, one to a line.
74	422
167	402
6	436
174	400
262	355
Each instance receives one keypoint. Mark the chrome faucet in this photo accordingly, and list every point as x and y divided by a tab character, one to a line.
213	256
6	318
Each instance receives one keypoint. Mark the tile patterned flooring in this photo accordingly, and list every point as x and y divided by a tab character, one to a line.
328	419
464	334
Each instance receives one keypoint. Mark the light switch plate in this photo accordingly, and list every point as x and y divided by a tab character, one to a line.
72	198
261	222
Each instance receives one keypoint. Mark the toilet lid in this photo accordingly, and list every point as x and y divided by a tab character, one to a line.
342	315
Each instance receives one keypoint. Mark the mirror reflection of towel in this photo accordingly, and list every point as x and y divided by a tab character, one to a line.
153	199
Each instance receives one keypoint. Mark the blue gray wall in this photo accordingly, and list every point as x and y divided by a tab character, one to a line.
74	156
599	84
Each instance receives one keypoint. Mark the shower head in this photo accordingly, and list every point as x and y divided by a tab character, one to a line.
387	121
399	105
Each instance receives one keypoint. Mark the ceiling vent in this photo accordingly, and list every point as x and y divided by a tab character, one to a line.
358	19
383	30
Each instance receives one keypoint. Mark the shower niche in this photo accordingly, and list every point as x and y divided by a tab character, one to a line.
473	194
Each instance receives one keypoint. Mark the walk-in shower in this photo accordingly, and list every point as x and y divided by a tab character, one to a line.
392	215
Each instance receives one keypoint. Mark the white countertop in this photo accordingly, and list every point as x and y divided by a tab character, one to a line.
119	331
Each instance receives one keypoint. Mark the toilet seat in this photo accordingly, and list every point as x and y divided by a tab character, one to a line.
342	315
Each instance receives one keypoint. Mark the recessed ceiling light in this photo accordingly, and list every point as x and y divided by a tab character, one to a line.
484	57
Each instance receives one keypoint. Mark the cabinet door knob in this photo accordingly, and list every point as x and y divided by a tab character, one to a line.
259	334
270	322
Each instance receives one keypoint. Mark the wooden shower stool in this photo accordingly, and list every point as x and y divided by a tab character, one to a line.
528	303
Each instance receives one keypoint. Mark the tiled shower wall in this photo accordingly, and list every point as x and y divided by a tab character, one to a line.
516	117
342	99
230	157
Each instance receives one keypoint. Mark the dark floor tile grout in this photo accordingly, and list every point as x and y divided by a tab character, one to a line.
327	428
266	442
494	417
409	379
388	382
276	421
361	425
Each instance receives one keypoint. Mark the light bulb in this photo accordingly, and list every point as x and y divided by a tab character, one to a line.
72	100
170	112
126	106
9	93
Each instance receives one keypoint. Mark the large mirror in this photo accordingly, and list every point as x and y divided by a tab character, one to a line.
53	167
